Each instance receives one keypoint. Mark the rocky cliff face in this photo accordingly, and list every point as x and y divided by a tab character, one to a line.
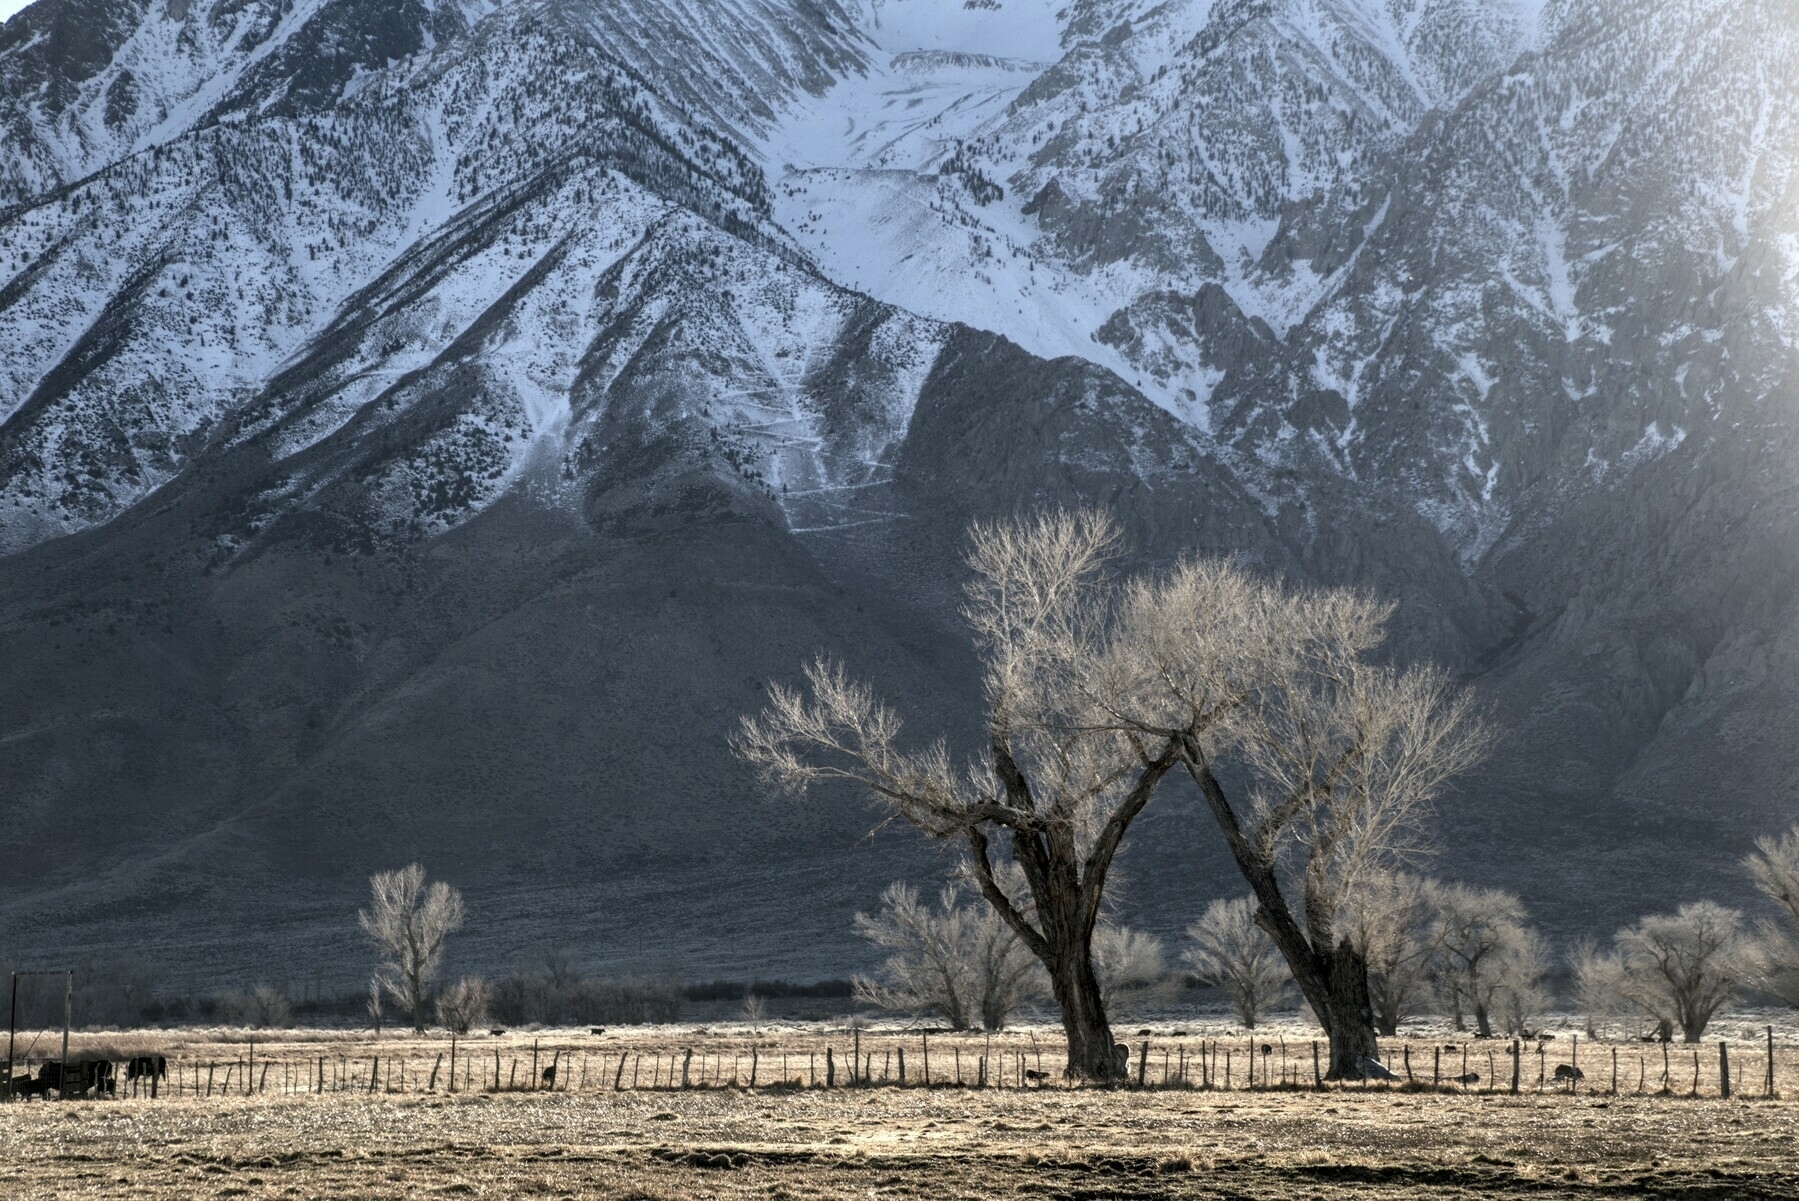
423	427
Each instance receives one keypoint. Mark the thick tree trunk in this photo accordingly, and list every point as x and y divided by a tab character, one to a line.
1351	1023
1076	988
1483	1025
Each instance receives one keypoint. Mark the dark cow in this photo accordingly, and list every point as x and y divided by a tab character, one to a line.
96	1076
147	1067
1568	1074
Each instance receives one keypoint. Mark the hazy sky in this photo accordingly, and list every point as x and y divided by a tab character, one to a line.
9	7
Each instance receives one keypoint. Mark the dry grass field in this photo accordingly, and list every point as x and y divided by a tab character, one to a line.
782	1141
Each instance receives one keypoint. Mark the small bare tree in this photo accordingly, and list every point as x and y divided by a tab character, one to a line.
1388	923
375	1006
1132	968
268	1006
958	961
1060	780
1469	929
1774	866
1599	986
755	1012
1517	973
1682	967
1233	953
408	924
463	1005
931	970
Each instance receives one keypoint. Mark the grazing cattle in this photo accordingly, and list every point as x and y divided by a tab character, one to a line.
596	1030
496	1031
1121	1061
97	1076
549	1076
1567	1073
1035	1077
147	1067
1470	1078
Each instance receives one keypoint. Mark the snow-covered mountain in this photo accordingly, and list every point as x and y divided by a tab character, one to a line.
417	416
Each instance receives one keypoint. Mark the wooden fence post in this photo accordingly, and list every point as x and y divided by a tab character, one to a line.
1436	1065
431	1086
685	1062
830	1068
1317	1074
374	1072
756	1061
1724	1069
856	1057
1406	1050
1770	1062
1516	1054
321	1087
1614	1071
1142	1062
926	1040
902	1065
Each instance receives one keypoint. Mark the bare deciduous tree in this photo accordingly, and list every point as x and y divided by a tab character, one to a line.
1469	929
1131	966
960	962
463	1005
1060	781
408	924
1517	973
1342	756
1389	925
1774	866
1233	953
929	971
1682	967
1599	986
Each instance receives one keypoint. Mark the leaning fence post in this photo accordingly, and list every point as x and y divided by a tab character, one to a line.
431	1085
374	1072
1724	1069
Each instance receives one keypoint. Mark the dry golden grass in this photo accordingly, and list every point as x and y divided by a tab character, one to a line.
783	1142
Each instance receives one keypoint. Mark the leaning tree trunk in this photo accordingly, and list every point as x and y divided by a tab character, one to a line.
1350	1024
1076	989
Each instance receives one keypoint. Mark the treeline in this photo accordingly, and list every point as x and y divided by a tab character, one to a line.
126	992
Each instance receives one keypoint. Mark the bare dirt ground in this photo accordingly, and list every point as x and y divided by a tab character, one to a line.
584	1139
905	1143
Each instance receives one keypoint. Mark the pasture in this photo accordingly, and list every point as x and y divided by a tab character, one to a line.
594	1136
